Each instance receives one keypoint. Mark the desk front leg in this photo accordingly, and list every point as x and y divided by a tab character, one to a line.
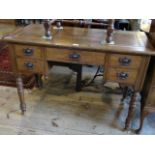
132	106
20	90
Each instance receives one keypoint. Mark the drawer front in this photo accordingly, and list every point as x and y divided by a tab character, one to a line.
75	56
30	65
28	51
126	61
127	76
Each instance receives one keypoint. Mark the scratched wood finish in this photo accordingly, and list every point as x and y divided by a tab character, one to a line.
91	39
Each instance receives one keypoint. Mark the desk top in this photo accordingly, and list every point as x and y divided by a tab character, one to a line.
84	38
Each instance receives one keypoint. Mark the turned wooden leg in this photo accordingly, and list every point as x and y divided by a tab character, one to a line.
20	90
39	82
110	29
131	109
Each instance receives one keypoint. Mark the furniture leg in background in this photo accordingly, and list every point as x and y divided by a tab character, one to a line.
39	82
78	70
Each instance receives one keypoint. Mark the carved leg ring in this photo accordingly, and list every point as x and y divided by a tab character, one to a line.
131	110
20	90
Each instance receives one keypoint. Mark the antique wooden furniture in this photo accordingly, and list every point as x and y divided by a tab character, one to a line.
125	58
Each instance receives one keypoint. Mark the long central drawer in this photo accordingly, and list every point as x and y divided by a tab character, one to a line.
75	56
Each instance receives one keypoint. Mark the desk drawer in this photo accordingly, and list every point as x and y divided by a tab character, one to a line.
30	65
126	61
28	51
128	76
75	56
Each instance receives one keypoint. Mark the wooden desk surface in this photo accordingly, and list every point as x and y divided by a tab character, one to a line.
90	39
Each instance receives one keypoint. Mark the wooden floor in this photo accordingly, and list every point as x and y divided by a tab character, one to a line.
59	109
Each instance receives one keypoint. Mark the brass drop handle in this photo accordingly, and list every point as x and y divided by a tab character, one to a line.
122	75
28	51
29	65
74	56
125	61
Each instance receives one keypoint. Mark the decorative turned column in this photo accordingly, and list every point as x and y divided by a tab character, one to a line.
132	106
58	25
110	29
20	90
47	27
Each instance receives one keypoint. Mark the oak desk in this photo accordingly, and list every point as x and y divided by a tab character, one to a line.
125	62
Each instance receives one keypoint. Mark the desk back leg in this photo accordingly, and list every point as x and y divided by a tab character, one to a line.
39	82
78	79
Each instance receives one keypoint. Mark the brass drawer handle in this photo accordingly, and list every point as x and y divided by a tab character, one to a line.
29	65
122	75
74	56
125	61
28	51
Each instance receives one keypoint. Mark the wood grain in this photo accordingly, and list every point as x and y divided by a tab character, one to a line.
115	61
90	39
38	66
36	51
112	75
85	57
